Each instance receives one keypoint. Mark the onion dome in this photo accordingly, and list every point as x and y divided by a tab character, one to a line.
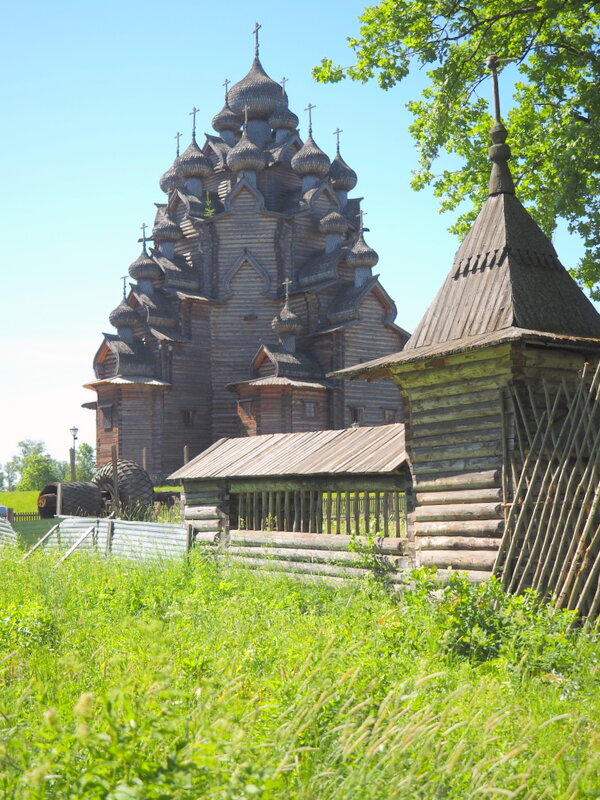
261	94
333	223
192	163
310	159
245	155
123	316
144	268
165	230
283	119
341	175
361	255
226	119
286	323
169	180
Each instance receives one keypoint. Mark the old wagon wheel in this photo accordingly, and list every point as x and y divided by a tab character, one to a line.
135	487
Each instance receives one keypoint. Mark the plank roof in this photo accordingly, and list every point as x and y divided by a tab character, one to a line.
377	449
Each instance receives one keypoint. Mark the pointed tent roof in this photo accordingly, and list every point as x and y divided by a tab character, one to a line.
506	272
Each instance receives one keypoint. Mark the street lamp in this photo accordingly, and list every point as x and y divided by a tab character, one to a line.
73	431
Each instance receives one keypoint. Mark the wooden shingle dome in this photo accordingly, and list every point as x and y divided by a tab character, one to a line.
192	163
261	94
341	175
123	316
245	155
311	160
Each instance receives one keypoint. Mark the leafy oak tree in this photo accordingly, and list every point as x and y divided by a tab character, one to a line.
553	49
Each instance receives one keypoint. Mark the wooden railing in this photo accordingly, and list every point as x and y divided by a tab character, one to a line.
355	513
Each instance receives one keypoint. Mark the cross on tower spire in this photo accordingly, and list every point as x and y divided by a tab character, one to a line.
309	108
124	279
361	215
336	133
192	114
255	31
283	83
492	64
144	238
178	137
287	283
226	83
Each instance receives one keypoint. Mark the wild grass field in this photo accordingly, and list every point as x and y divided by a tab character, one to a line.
20	501
197	680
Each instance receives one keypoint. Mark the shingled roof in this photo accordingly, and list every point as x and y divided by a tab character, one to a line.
506	283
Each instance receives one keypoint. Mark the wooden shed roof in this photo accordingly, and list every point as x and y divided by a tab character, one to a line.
378	449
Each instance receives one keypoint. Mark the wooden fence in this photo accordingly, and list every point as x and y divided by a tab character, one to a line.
346	513
551	483
25	516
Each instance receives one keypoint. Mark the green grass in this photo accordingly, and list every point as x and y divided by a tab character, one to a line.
20	501
197	680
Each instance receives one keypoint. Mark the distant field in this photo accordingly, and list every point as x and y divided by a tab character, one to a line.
20	501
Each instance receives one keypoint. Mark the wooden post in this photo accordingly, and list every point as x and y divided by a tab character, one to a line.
59	494
72	463
145	458
115	477
109	536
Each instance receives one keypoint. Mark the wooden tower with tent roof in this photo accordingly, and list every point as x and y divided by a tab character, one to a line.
259	282
493	356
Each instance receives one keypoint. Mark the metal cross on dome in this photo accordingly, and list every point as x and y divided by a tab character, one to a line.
336	133
255	31
492	63
124	279
283	83
362	215
287	283
192	114
226	83
309	108
144	238
178	137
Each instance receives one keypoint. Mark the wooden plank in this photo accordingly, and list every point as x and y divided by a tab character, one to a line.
478	527
459	511
459	496
315	541
457	559
323	483
466	480
458	543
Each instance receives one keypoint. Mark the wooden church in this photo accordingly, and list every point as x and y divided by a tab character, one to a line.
258	284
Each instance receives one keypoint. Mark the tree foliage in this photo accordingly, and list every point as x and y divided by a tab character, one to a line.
552	48
32	467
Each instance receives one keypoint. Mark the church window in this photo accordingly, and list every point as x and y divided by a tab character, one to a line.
187	417
245	408
357	414
310	409
389	414
107	416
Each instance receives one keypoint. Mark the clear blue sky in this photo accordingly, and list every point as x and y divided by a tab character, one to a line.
92	94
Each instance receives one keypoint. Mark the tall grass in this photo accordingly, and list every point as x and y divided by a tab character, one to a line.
197	680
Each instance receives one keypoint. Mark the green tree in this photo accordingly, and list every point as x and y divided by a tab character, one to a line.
554	121
38	470
85	462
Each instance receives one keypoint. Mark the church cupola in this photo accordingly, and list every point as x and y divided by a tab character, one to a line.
361	257
144	270
342	177
227	122
310	162
124	319
287	325
170	180
192	166
334	226
246	156
165	233
261	95
283	123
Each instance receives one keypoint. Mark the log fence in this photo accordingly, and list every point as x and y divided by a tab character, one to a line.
551	541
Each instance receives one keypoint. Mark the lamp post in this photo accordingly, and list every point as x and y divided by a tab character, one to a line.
73	431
